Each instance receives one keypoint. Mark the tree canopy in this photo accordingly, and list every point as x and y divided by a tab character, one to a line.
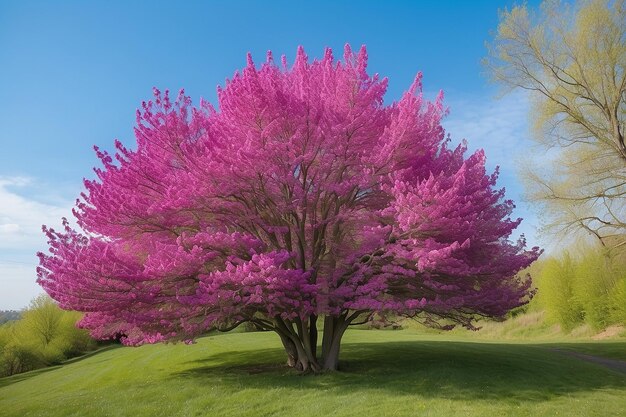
572	58
302	195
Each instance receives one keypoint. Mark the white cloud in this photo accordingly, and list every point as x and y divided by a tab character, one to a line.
21	218
500	126
9	228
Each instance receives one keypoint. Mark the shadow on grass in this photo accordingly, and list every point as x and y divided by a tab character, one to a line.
452	370
8	380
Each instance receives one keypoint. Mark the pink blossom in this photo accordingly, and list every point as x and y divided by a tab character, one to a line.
303	195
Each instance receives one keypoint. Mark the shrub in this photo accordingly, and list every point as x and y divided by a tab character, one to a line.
587	285
45	335
617	298
17	358
557	290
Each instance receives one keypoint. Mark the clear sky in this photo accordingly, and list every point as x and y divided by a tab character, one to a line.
73	73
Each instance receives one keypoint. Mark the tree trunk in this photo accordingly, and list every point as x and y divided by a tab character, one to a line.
290	349
301	345
331	360
334	328
313	335
297	343
306	362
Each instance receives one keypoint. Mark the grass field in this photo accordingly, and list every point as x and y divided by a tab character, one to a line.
385	373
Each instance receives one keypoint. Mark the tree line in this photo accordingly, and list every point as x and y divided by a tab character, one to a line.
9	315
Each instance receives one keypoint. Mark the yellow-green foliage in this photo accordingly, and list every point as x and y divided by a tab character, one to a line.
618	301
570	56
45	335
595	279
588	287
557	289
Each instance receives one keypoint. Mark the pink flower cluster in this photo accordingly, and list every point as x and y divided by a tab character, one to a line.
304	194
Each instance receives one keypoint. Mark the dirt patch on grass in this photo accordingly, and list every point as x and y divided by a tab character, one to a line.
613	364
611	331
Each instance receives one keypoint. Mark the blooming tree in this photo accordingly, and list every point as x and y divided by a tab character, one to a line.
302	197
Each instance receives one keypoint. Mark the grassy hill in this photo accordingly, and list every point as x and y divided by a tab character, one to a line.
385	373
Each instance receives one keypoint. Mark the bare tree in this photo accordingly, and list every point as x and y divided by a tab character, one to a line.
571	58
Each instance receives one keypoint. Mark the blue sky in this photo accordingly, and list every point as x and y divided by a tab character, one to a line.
73	73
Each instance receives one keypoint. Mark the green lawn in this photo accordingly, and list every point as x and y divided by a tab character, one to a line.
385	373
